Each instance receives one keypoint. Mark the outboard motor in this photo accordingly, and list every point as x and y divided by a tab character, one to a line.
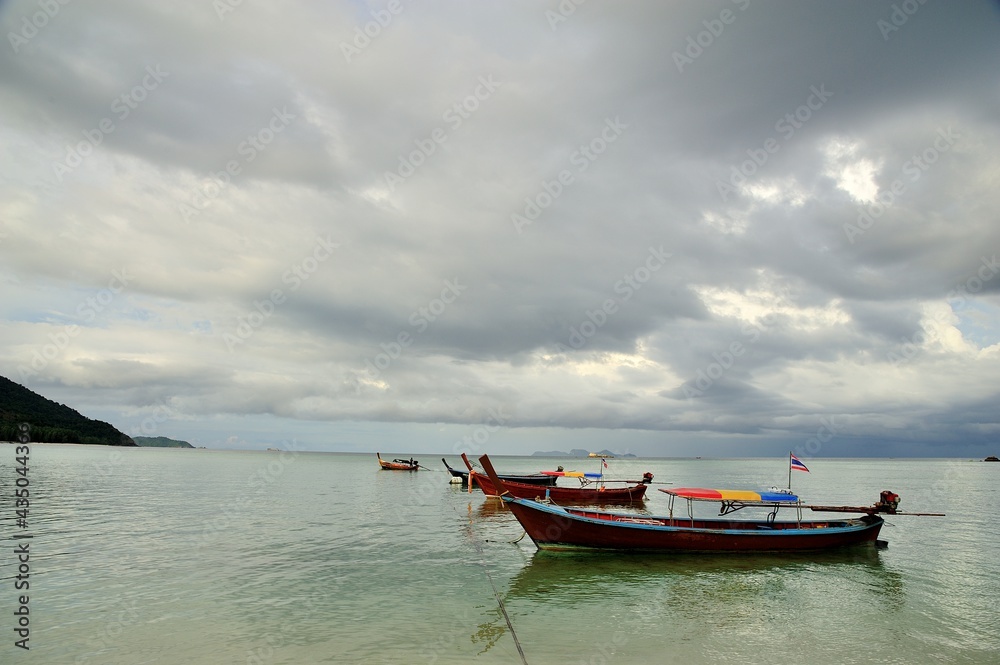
647	478
888	501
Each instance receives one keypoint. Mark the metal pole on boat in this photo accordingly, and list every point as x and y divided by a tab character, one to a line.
789	470
599	478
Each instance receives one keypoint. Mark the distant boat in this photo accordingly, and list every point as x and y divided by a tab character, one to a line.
569	495
529	479
398	464
992	458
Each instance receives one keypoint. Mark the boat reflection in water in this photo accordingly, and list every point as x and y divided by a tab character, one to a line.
700	592
585	576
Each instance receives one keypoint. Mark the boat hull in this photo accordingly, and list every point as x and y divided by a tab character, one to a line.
390	466
528	479
556	528
567	495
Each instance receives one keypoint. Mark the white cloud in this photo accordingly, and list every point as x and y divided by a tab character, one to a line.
854	172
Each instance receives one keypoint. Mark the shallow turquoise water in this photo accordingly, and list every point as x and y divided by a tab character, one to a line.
200	556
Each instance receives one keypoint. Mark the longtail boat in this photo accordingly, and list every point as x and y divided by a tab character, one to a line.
553	527
543	478
398	464
568	495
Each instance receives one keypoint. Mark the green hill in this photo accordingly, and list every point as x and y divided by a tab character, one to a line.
160	442
50	421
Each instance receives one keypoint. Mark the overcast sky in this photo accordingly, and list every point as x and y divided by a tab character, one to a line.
688	228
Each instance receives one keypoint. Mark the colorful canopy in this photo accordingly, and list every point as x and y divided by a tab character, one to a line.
573	474
704	494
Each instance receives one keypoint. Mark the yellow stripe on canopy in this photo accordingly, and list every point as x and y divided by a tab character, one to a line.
739	495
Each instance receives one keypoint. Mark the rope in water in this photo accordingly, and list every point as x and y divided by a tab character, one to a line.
496	594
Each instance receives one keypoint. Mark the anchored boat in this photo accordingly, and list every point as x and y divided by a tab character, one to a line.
529	479
633	493
398	464
554	527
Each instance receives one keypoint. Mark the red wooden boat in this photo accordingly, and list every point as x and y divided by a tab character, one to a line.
398	464
568	495
557	528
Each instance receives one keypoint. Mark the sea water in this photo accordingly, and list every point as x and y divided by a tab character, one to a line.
204	556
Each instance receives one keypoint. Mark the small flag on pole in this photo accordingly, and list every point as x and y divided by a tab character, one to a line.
796	463
604	462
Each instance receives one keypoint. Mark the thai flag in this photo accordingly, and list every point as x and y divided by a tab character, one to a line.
604	462
796	463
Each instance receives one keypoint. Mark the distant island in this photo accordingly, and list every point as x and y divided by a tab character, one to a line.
160	442
50	421
577	452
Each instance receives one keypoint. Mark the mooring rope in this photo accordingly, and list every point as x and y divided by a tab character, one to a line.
496	594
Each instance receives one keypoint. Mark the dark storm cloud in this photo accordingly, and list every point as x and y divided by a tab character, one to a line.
581	218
